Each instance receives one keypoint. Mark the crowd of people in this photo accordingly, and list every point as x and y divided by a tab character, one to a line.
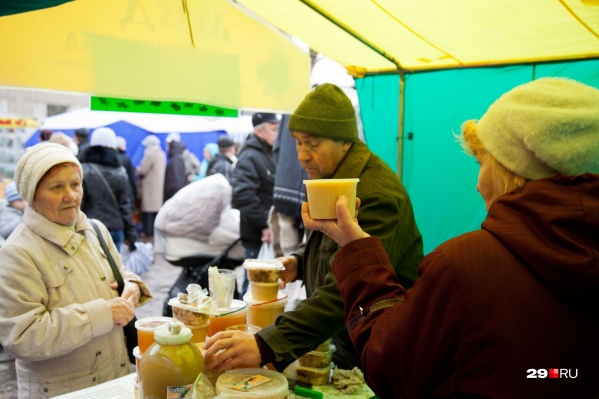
470	319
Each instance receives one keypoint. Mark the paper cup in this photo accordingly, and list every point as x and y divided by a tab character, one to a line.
323	194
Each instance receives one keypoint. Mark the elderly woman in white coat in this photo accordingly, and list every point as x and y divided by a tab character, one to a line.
60	314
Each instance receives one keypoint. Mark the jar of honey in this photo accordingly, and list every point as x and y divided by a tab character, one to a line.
169	367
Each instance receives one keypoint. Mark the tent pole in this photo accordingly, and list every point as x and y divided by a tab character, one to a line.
400	127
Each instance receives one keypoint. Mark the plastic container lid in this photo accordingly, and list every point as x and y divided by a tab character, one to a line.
252	383
173	333
275	303
237	307
328	181
263	264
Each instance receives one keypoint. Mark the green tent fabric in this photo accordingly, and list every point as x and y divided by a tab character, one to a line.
440	178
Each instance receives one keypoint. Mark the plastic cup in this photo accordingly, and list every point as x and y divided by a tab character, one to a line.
263	271
145	330
323	194
264	291
222	288
137	355
236	315
199	332
264	313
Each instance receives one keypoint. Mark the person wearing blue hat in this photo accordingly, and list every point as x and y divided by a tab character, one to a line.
12	213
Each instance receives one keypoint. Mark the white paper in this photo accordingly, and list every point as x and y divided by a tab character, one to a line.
121	388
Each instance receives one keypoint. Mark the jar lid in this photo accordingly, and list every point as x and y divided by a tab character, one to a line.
173	333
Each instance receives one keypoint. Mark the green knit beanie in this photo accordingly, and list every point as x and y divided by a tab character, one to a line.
326	112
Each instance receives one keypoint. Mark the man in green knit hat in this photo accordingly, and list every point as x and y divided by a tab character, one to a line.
325	130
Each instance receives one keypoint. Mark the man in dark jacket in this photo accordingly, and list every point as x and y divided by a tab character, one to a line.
82	140
253	182
106	188
224	161
325	131
121	148
175	177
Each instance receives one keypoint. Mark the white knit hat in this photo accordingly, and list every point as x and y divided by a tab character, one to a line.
34	164
150	141
103	137
173	137
547	126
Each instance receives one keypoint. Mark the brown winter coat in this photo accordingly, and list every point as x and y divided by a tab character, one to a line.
151	173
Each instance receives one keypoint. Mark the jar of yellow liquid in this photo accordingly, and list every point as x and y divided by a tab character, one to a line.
169	367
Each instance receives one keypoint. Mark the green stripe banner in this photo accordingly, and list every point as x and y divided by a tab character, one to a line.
160	107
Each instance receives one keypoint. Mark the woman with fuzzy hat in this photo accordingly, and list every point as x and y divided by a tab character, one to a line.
60	314
495	310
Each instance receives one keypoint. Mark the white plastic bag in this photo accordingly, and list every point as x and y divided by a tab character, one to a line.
266	251
140	260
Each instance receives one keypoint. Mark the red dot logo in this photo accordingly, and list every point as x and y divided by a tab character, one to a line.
553	373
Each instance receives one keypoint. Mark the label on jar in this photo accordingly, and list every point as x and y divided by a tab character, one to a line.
250	382
178	392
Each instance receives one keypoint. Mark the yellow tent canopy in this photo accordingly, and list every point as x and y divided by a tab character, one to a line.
381	36
201	51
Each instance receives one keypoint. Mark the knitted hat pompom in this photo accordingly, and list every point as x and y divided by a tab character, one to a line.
326	112
543	127
36	161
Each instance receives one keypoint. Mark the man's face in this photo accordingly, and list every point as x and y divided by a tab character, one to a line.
268	132
319	156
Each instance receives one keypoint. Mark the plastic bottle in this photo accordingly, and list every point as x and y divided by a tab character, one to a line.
169	367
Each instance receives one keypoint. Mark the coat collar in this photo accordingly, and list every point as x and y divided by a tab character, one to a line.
354	162
64	237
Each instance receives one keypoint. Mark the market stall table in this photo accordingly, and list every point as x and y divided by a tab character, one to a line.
122	388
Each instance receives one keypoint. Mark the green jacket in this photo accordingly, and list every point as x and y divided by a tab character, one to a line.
385	212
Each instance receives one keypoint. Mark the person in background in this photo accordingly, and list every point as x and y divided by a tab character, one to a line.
12	213
60	314
192	163
253	182
63	139
210	150
288	195
121	148
81	137
224	161
325	130
45	135
150	175
175	177
106	188
496	307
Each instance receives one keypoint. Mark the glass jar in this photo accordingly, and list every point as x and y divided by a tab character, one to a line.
169	367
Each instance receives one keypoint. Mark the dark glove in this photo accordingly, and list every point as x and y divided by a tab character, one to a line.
132	246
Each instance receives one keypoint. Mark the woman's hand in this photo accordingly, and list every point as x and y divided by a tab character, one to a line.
227	350
131	292
342	230
122	311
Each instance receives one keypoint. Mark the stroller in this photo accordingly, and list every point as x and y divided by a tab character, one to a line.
195	271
